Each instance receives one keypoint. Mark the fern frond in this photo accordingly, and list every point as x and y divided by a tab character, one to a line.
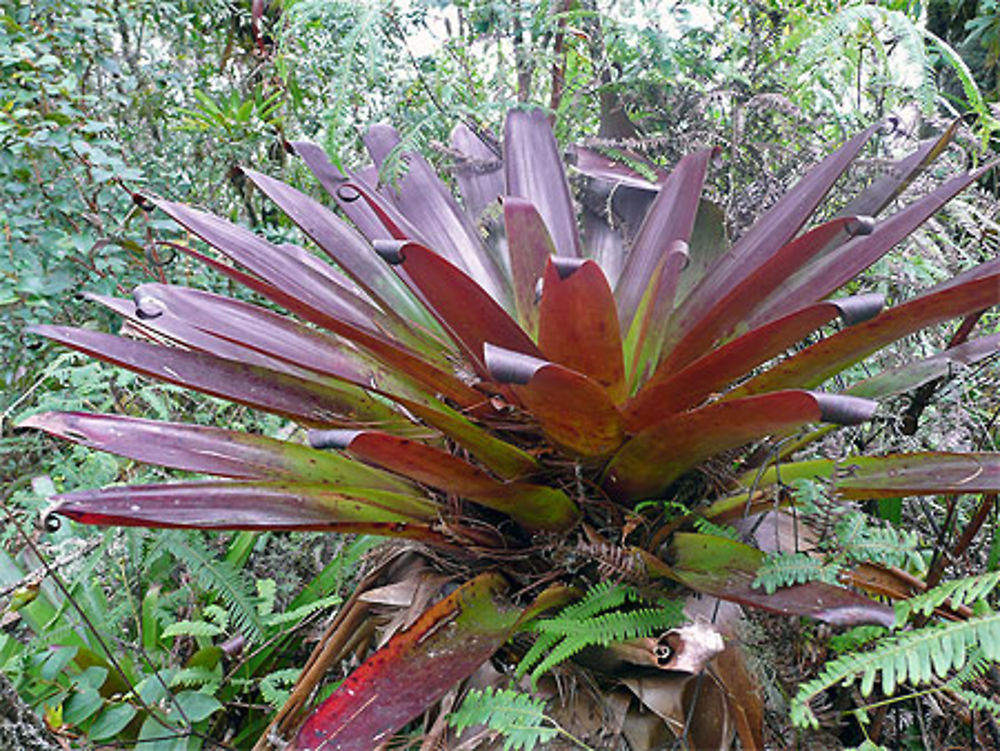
914	656
519	717
218	577
956	593
785	569
596	620
980	703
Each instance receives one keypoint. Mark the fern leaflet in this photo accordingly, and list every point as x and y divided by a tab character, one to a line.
519	717
597	619
914	656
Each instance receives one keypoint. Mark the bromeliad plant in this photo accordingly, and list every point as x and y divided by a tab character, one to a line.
501	397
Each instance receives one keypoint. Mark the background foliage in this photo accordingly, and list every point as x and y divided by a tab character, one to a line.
99	99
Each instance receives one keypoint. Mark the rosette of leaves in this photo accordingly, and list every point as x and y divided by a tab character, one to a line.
489	394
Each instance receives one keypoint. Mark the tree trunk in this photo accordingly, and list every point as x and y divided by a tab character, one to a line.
20	728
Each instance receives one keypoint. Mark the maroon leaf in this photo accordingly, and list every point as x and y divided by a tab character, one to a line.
648	463
198	448
534	171
343	244
594	164
895	475
688	387
535	507
240	331
307	293
731	308
841	265
461	305
670	218
815	364
578	323
308	402
574	412
428	204
725	568
413	670
242	505
530	247
771	232
478	170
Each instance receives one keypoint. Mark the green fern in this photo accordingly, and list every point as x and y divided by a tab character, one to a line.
915	656
519	717
218	577
886	545
607	613
956	593
785	569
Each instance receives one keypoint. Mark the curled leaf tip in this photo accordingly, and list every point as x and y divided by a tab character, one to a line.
507	366
331	439
844	410
348	193
147	307
860	225
565	266
860	308
391	251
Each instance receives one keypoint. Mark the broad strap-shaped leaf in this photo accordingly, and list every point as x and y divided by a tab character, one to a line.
736	305
726	569
838	267
478	170
670	218
650	461
619	172
530	247
503	459
578	323
338	185
413	670
771	232
534	170
574	411
307	293
240	331
535	507
242	505
210	450
308	402
686	388
815	364
461	305
916	374
430	207
343	244
896	177
894	475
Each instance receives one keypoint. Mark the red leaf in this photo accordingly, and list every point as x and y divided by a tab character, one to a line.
413	670
467	312
574	412
535	507
668	393
648	463
815	364
670	218
578	323
309	402
530	247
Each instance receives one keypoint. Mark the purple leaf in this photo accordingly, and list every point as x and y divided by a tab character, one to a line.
198	448
478	170
534	170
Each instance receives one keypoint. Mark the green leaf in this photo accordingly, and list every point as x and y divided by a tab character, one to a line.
82	705
196	706
111	722
192	628
519	717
